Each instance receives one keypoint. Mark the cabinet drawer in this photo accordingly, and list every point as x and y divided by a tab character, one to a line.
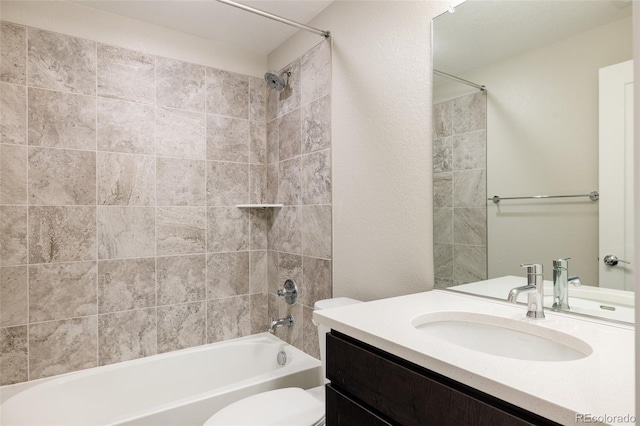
410	394
343	411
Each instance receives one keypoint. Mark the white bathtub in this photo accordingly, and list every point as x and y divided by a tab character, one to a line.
178	388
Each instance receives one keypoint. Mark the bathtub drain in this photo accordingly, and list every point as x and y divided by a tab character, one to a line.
282	358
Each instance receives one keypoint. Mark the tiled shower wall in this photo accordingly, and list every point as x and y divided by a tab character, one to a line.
119	175
460	190
299	177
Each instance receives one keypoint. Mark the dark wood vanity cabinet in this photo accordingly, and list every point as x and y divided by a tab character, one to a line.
372	387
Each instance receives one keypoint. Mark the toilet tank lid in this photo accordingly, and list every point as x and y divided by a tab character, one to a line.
334	303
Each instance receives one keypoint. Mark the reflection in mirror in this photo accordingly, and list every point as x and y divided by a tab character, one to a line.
553	121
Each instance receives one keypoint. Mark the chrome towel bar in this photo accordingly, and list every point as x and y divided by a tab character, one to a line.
593	195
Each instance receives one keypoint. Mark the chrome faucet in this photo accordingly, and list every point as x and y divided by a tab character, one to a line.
286	321
561	281
534	290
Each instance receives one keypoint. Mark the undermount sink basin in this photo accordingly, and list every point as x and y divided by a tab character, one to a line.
502	336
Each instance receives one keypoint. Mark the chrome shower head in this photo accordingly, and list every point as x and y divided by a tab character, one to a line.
276	80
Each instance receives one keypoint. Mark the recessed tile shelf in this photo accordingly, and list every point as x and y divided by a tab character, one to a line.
258	206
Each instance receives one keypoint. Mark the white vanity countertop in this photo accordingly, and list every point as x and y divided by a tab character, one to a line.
601	384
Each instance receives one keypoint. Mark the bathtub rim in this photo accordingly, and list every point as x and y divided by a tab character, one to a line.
299	360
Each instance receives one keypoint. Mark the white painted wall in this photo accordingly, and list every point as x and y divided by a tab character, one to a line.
381	130
543	139
109	28
636	126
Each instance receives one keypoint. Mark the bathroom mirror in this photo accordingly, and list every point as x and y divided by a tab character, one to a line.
538	130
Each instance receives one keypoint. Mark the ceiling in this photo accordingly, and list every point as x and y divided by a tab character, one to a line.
480	32
212	20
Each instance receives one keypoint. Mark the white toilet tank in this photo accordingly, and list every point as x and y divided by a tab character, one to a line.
323	330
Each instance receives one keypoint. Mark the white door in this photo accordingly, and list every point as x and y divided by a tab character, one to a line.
616	176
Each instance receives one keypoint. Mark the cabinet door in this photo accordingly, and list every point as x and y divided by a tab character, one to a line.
408	394
344	411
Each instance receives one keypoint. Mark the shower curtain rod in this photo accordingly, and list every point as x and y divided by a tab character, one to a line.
460	80
325	34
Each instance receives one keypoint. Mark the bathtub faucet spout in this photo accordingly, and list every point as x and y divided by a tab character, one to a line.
288	321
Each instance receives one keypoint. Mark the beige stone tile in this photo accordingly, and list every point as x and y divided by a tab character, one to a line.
316	125
315	72
257	184
62	234
289	268
289	97
62	290
123	336
13	57
294	334
257	99
443	225
442	155
442	124
125	179
228	318
181	85
286	232
126	284
310	343
13	174
289	136
126	127
180	230
58	347
443	190
443	260
13	235
227	93
258	222
258	142
13	114
470	150
470	226
61	177
258	280
61	62
14	362
273	147
469	263
180	182
181	279
227	183
470	188
259	313
469	113
61	120
14	296
181	134
273	97
227	229
125	74
316	231
181	326
316	178
290	182
227	274
316	283
125	232
227	139
272	183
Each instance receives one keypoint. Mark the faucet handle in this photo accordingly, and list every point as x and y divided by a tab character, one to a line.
561	263
532	268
